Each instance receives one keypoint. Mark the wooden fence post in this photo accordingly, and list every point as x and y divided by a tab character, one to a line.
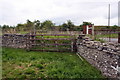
32	41
75	45
56	45
118	37
27	42
72	46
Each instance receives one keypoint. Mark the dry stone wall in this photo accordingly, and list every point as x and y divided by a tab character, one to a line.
14	41
104	56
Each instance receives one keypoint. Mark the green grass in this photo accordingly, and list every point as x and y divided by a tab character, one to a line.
23	32
18	63
107	35
59	47
97	37
53	36
101	40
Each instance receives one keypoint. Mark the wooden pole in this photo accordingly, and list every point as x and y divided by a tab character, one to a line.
75	45
118	37
109	22
93	31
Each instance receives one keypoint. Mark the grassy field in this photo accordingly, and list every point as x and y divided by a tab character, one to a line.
53	36
97	37
18	63
107	35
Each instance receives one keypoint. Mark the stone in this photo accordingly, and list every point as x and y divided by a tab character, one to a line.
101	55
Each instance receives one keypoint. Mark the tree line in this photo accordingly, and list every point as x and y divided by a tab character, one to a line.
47	25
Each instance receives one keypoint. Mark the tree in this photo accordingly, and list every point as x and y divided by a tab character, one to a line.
37	24
29	25
69	25
19	27
86	23
5	28
78	28
48	25
64	27
114	27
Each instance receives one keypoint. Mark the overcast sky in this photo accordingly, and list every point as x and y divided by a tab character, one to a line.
13	12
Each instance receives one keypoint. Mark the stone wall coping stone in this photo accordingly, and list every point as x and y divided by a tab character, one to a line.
108	47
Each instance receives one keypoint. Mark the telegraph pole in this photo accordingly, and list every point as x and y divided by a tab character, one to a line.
109	21
119	13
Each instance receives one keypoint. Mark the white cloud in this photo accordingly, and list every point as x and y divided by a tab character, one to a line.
95	11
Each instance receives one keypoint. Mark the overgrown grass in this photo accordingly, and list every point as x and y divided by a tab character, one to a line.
17	63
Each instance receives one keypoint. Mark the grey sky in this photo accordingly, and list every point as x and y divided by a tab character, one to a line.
13	12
